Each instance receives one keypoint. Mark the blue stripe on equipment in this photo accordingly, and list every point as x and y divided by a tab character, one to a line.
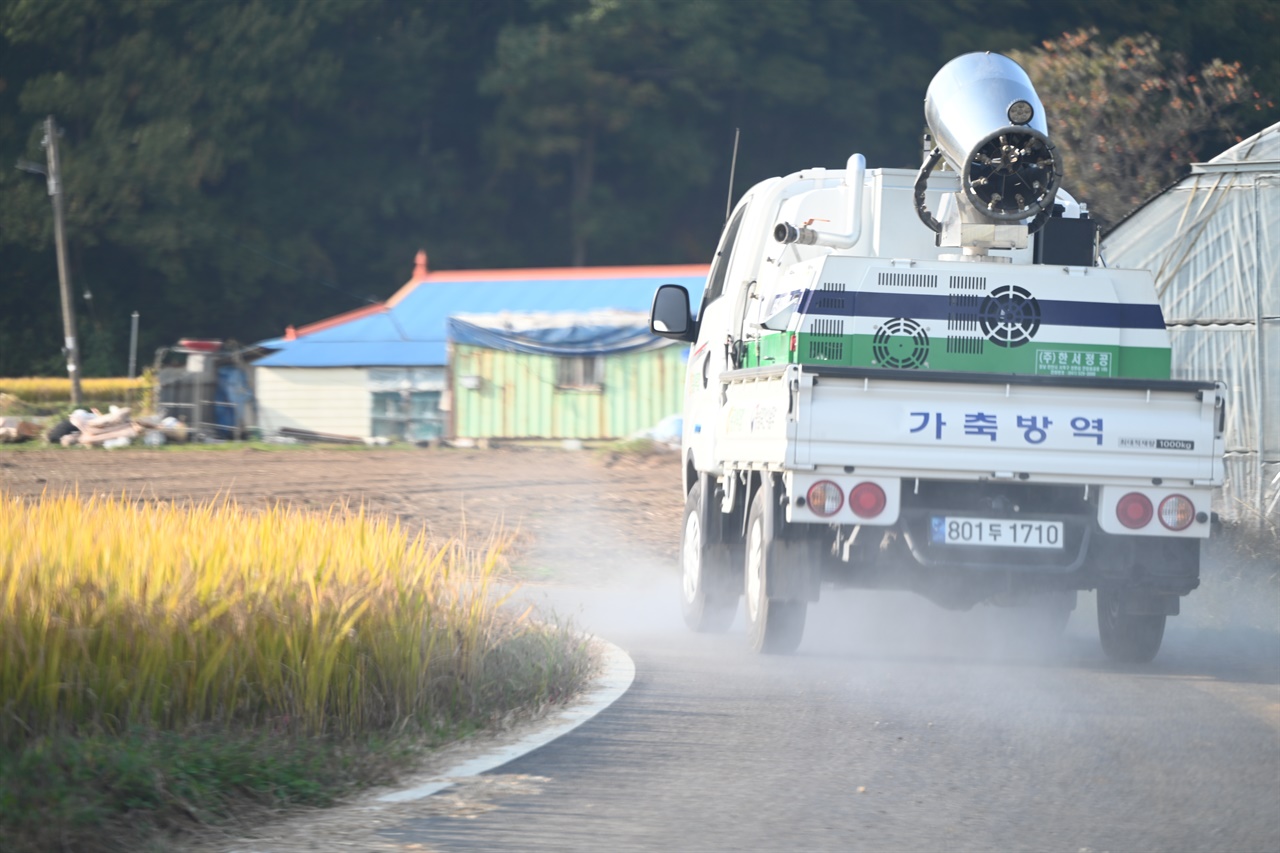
922	306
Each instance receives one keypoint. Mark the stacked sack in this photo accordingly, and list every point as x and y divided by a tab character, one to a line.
114	429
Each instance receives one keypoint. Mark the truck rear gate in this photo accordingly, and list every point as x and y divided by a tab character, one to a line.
973	425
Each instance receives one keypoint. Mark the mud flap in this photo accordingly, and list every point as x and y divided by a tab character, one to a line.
1138	602
1157	567
711	517
794	571
719	538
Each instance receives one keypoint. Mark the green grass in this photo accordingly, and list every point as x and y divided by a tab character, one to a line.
113	793
631	448
539	572
636	446
271	446
143	788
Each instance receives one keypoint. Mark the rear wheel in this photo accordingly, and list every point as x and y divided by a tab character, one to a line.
705	601
1127	637
774	626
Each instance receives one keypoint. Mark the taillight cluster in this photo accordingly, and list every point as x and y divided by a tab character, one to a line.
825	498
866	500
1176	512
1135	511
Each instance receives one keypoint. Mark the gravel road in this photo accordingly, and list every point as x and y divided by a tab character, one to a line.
897	726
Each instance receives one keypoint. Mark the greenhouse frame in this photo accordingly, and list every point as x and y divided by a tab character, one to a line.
1213	242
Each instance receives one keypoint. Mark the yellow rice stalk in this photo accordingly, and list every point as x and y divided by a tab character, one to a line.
57	389
114	614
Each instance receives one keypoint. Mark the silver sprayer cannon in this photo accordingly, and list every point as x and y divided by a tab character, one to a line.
989	126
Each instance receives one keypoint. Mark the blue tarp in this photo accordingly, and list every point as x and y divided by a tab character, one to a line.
570	340
232	397
414	332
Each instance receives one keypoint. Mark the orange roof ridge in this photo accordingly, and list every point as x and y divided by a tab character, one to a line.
337	320
420	274
562	273
404	290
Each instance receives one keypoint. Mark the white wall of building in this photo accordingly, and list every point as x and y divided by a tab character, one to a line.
322	399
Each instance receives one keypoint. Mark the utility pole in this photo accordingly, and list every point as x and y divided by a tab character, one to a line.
133	345
64	274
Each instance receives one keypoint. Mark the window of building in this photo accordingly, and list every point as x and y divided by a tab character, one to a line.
407	415
580	372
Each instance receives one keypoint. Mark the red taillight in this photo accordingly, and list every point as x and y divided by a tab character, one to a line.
825	498
1177	512
792	344
867	500
1134	510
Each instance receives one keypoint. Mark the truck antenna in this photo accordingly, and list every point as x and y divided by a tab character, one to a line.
733	165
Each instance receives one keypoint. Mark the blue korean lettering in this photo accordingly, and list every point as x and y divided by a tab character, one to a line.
1085	428
1034	428
925	417
980	423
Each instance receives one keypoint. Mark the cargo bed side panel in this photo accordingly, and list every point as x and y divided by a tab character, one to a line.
758	425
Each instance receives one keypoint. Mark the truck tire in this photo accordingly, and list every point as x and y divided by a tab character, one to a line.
706	605
774	626
1127	637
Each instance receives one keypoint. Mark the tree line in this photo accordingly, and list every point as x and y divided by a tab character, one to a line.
233	167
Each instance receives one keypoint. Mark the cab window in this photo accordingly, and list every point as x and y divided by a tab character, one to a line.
715	284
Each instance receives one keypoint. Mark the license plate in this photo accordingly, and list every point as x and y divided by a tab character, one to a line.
995	532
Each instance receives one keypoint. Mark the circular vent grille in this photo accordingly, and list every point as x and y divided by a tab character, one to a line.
1010	316
901	342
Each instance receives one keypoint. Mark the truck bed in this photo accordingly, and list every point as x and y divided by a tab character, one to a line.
971	425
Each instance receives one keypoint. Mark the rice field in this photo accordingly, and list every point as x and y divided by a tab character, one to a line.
116	615
56	390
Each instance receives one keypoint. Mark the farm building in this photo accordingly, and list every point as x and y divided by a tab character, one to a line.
383	370
588	375
1213	242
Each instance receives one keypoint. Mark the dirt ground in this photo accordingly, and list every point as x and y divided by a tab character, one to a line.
443	491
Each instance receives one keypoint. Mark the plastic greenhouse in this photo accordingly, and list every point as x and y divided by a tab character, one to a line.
1213	242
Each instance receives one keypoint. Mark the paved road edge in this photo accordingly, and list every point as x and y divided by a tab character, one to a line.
618	672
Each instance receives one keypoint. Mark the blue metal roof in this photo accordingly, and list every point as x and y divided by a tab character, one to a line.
413	331
562	333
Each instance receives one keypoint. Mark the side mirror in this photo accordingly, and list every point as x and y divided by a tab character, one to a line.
670	316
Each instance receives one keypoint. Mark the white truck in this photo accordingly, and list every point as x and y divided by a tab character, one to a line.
929	381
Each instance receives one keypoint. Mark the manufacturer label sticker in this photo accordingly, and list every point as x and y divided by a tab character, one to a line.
1052	362
1158	443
